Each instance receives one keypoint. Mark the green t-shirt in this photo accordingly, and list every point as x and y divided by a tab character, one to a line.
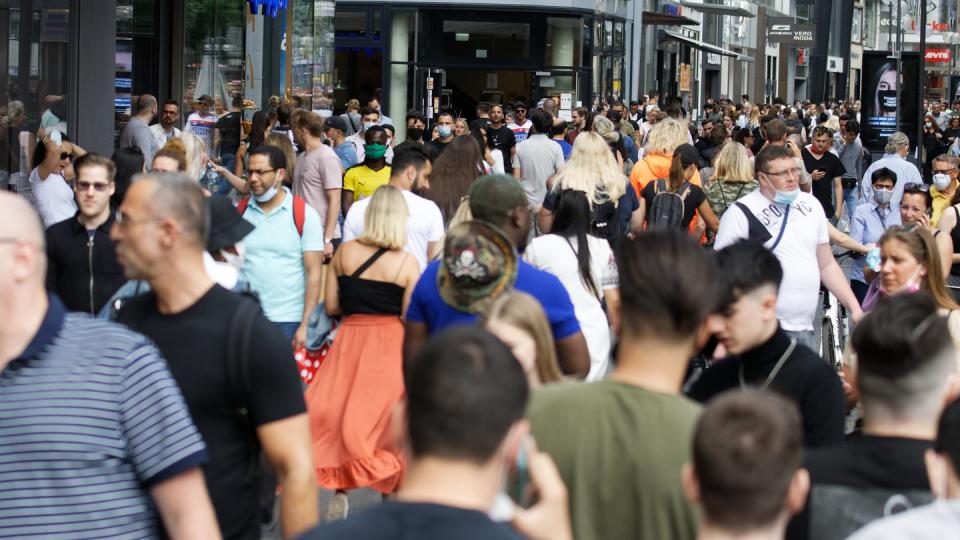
620	450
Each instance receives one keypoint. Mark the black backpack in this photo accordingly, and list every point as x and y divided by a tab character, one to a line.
668	207
605	221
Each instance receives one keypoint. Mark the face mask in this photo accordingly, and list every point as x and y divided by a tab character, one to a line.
368	125
911	286
888	100
414	133
235	261
444	131
941	181
268	195
786	197
882	196
375	151
928	125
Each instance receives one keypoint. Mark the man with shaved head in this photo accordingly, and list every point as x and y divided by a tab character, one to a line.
137	132
101	437
235	368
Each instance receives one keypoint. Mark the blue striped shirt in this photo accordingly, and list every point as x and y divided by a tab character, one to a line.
90	420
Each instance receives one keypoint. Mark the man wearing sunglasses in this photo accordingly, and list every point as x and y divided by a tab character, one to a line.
82	267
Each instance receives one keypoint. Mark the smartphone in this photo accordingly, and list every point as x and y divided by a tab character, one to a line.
519	476
929	212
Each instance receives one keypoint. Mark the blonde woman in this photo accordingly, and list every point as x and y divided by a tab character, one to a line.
518	320
282	141
662	140
196	154
460	127
593	170
732	178
354	393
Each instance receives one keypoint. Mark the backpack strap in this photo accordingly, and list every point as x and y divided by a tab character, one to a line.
242	205
299	213
755	229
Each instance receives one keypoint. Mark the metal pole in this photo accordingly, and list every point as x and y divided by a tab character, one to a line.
921	73
899	62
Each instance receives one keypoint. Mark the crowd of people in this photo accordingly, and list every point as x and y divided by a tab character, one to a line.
520	325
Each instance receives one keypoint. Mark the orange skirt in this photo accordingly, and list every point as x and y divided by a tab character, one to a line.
351	403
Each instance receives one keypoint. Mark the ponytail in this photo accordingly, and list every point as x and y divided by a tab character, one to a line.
676	173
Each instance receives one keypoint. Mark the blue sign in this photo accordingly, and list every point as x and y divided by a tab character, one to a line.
267	7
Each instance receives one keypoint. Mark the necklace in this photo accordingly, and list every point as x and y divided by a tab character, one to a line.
774	371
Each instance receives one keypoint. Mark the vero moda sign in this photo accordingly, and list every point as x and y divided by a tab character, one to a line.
785	30
938	56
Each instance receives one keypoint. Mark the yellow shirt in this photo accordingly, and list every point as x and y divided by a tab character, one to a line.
363	180
940	203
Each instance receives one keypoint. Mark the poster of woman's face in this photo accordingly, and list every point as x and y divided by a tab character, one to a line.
886	92
885	103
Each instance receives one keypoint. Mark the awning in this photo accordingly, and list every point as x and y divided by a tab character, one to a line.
715	9
655	18
696	44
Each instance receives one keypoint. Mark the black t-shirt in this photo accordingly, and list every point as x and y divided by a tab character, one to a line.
194	343
626	206
823	188
479	123
804	378
503	140
229	126
420	521
850	486
439	145
690	202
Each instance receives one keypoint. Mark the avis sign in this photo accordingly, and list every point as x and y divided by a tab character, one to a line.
785	30
937	56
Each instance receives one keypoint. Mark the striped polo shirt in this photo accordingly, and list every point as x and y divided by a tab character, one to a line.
90	420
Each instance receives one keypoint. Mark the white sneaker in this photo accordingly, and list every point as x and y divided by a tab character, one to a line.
338	508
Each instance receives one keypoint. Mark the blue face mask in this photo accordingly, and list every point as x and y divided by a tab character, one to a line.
786	197
444	131
268	195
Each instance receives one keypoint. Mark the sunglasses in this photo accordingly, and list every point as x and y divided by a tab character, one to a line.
913	186
98	186
66	155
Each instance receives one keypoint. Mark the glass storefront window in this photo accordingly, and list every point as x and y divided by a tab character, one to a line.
563	42
492	40
350	24
618	36
213	52
608	34
34	80
134	57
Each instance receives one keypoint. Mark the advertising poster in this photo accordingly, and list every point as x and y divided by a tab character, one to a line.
878	112
954	89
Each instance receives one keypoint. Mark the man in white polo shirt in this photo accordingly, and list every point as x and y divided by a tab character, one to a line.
411	168
793	226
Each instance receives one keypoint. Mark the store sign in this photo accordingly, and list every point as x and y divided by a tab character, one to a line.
267	7
686	76
834	64
938	55
785	30
713	58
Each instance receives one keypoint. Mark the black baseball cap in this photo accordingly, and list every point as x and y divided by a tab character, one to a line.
688	154
336	122
227	226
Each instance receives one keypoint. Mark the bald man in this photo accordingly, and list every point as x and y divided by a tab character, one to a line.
103	373
137	132
217	344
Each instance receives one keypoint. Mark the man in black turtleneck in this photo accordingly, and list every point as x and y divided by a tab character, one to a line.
761	354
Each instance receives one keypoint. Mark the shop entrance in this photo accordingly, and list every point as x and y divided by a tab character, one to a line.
465	88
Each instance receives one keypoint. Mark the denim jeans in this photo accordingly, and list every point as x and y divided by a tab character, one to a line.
805	337
850	202
288	328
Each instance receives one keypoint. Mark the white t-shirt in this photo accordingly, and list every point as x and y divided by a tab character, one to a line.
55	200
555	254
805	231
424	225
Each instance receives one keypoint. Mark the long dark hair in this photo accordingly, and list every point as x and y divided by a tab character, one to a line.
453	173
40	152
257	126
573	218
676	173
129	161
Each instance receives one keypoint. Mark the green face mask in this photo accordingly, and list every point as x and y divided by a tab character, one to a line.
375	151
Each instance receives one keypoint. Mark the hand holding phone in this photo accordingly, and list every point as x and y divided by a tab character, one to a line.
549	517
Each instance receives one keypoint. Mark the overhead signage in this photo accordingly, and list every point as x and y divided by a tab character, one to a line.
785	30
937	55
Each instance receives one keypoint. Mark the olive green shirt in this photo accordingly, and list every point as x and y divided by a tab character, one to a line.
720	194
620	450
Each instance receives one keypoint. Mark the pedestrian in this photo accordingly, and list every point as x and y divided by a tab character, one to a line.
732	178
259	128
558	134
518	320
245	393
50	168
170	158
137	134
352	117
825	170
502	137
492	156
282	126
370	118
356	389
166	128
584	265
915	209
909	261
760	354
374	104
803	249
360	181
282	142
196	155
285	251
945	173
657	159
480	262
119	424
453	173
673	202
894	158
128	162
460	127
537	159
870	221
904	358
335	129
82	267
747	470
668	287
578	117
318	178
227	135
203	123
445	132
483	117
461	450
416	124
521	125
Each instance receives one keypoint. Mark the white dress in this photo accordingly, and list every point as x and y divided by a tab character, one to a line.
557	255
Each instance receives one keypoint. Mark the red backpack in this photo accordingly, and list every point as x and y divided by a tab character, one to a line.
299	211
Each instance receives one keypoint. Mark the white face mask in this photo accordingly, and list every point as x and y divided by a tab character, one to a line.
267	195
235	261
942	181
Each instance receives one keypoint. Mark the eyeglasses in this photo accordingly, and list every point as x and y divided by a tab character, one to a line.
66	155
252	172
99	186
173	113
792	172
944	171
